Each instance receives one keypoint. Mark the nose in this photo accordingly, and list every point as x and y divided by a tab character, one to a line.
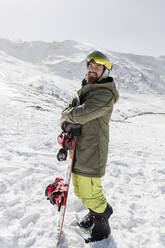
92	69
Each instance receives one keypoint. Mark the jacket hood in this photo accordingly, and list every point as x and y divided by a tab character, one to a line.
107	83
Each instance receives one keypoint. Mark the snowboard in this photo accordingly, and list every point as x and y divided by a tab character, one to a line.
57	192
63	209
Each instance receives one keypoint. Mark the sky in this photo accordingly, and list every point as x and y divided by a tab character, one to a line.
128	26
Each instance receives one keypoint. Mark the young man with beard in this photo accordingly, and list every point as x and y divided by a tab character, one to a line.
92	111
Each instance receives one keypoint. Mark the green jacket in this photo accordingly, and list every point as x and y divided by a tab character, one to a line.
93	113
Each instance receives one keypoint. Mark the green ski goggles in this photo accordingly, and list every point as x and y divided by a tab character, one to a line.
99	58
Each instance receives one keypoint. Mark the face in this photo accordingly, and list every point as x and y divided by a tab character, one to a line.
94	72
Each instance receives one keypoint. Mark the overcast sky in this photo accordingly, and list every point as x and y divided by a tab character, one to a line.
134	26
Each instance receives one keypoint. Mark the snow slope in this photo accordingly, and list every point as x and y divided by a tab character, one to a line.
37	80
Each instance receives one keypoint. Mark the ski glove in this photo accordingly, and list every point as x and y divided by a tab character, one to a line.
75	102
75	129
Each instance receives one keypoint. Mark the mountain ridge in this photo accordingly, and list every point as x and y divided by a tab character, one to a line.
133	73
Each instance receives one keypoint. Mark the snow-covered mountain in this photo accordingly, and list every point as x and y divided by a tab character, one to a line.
135	73
37	79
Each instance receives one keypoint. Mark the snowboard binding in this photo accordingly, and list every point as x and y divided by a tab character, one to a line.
57	192
67	141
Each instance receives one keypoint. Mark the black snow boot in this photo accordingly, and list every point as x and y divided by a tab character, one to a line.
107	213
87	221
100	229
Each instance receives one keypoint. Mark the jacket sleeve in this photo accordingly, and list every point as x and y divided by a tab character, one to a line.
73	103
98	104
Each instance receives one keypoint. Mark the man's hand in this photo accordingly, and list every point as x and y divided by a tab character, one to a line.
75	102
75	129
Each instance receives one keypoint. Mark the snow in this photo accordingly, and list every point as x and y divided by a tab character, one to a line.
37	80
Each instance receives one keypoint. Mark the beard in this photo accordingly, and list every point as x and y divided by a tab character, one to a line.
91	77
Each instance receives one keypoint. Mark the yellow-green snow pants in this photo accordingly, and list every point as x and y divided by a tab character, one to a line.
90	191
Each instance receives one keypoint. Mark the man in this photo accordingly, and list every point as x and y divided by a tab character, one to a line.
93	111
